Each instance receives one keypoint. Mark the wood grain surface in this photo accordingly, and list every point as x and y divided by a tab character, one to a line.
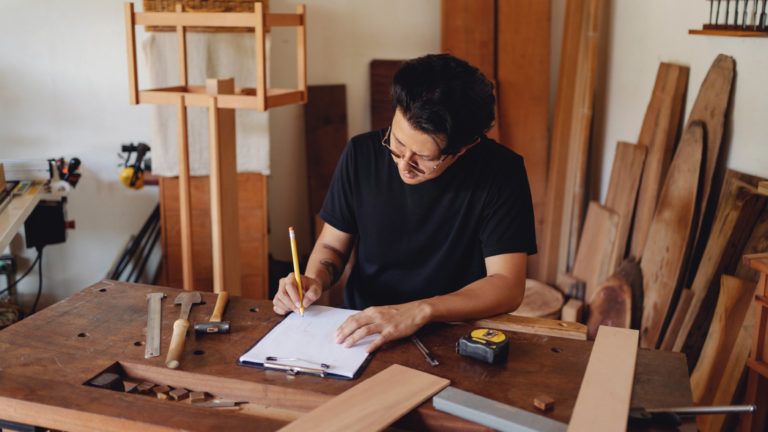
540	301
382	72
378	402
659	133
676	322
621	196
597	246
47	357
606	390
670	234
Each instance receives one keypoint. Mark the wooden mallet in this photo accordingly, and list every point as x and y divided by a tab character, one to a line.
215	325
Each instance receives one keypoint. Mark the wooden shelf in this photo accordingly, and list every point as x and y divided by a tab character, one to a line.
729	32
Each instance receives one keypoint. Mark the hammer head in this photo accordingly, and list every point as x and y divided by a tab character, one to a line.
212	327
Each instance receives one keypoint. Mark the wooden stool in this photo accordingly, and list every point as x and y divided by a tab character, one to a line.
758	361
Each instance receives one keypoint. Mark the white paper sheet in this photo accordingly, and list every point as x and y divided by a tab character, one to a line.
308	342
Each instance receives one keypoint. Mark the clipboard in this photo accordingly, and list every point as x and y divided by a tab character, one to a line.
304	345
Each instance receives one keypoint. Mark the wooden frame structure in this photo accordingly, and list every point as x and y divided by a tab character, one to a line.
221	97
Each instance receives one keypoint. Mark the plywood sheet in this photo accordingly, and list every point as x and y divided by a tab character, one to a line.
669	235
604	396
373	404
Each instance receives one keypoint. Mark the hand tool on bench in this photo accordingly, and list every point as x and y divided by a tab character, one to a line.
215	325
152	346
180	327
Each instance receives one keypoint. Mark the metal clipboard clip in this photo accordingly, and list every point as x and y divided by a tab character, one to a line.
273	363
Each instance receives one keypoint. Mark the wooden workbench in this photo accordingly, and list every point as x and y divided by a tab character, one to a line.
46	358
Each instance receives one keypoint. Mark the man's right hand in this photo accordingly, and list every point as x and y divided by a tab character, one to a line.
287	297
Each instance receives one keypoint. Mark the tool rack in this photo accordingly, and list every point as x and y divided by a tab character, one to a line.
222	98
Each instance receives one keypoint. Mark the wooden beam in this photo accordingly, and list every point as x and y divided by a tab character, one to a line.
223	176
185	199
181	42
604	396
596	249
539	326
130	39
301	50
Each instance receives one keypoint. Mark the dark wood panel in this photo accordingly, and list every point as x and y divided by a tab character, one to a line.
382	72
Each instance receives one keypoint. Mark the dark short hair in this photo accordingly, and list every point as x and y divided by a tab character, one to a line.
440	94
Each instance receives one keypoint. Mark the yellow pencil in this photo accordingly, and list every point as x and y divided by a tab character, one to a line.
296	271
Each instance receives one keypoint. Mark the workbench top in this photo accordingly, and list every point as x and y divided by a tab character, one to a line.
46	359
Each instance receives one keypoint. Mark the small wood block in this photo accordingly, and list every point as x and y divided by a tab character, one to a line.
571	286
109	381
762	187
161	391
144	388
179	394
572	311
196	397
543	402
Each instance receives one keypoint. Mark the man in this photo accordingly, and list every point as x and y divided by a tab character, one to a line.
441	214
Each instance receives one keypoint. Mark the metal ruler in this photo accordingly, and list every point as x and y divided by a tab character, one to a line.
152	347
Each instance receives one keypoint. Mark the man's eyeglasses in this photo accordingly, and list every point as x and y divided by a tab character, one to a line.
420	166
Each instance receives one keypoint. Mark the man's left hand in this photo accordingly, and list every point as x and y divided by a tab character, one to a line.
390	322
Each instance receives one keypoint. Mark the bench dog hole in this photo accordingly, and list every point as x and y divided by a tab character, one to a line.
82	335
199	352
138	343
557	350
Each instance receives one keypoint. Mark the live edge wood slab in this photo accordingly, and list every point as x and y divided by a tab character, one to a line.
46	358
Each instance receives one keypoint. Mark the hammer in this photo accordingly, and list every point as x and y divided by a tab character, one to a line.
215	325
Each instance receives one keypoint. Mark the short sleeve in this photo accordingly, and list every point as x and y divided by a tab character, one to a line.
507	219
339	204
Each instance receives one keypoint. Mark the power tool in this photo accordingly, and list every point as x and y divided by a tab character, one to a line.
490	346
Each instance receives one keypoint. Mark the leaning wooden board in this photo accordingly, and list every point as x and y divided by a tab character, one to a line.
596	248
669	235
710	108
378	402
382	72
622	192
732	305
738	211
522	82
658	133
606	390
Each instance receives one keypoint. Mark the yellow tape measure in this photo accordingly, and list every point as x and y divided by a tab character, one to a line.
488	345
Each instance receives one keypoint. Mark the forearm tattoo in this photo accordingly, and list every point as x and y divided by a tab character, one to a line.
332	269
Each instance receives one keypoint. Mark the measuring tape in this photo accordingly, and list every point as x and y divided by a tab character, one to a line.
488	345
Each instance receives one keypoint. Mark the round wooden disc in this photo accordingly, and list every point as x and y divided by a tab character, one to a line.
540	301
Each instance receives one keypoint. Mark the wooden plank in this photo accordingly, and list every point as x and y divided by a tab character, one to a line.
681	310
736	217
658	133
181	49
597	246
468	31
325	129
710	108
257	20
670	234
382	72
558	205
538	326
522	79
301	49
622	192
606	390
617	301
377	401
732	305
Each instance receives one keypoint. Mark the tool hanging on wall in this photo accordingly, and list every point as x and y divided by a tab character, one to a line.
727	26
132	176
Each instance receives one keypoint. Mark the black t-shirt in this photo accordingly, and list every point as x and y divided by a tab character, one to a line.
428	239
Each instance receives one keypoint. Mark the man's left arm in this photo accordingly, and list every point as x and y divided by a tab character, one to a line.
501	291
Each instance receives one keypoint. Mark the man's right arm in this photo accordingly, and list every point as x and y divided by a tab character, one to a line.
325	266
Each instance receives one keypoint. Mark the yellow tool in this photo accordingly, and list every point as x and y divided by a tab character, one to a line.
296	272
490	346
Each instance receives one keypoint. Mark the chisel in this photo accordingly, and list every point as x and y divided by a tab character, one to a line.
152	346
754	15
744	15
762	17
727	11
717	13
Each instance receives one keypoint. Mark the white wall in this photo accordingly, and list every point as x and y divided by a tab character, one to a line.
645	33
64	92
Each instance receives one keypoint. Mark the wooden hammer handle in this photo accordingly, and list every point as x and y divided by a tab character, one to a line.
221	303
180	327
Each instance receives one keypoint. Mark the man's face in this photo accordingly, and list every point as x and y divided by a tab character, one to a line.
418	148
